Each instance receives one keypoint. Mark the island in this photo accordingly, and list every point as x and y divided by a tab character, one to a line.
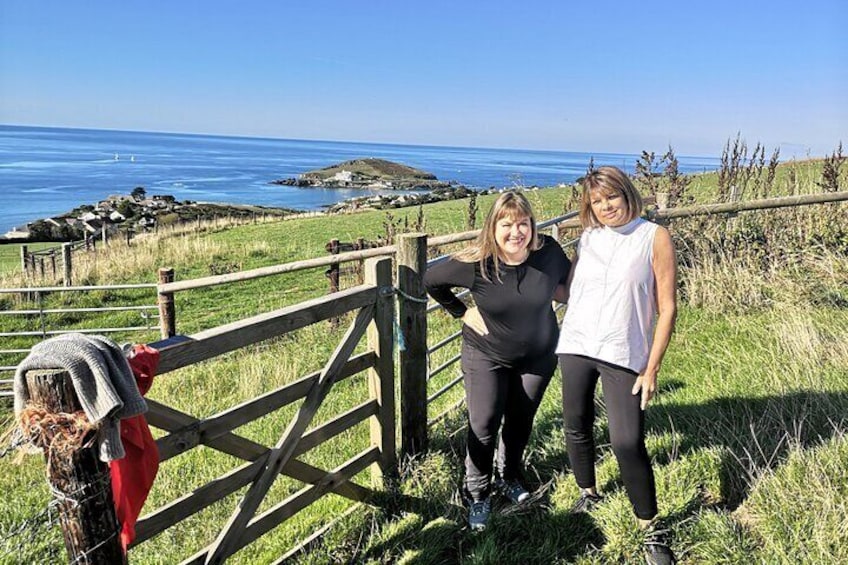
368	173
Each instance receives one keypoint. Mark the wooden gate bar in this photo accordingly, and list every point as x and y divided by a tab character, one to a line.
274	516
178	353
183	439
226	543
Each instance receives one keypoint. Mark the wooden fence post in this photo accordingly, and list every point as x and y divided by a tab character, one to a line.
555	232
104	233
67	264
167	309
86	509
381	377
360	271
333	271
53	262
24	259
412	341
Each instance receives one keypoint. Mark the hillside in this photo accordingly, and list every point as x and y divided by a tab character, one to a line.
748	434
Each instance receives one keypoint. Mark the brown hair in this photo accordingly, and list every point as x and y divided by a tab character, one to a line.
611	180
512	205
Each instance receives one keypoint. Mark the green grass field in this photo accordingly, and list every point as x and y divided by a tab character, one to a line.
748	433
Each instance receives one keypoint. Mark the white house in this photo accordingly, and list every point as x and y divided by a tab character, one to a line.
18	233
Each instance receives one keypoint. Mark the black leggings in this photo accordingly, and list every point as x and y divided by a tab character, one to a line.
626	427
494	392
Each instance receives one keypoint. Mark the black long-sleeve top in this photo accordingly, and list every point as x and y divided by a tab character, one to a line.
517	309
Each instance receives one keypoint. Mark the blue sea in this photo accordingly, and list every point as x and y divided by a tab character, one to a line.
48	171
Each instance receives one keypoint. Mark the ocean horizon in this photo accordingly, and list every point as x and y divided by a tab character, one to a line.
48	171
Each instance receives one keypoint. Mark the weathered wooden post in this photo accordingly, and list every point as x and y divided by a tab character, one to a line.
67	265
86	509
167	308
129	236
412	341
334	271
24	259
104	233
41	266
360	269
381	377
555	232
53	262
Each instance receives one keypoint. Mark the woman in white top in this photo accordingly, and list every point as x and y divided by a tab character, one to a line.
621	313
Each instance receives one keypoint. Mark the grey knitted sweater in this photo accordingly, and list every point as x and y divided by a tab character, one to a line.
101	376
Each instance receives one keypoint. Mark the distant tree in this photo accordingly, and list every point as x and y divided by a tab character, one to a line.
40	230
126	208
138	193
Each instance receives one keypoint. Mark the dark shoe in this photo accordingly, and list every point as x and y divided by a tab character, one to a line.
478	513
586	502
657	542
512	490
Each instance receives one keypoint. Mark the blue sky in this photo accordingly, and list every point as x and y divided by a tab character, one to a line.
594	76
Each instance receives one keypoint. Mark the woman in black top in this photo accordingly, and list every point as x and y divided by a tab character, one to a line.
508	340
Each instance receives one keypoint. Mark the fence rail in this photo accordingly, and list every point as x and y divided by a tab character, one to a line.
47	326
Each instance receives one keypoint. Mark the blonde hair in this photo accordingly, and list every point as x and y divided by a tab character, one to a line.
610	180
513	205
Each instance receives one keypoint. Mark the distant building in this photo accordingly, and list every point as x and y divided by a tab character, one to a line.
342	178
18	233
94	225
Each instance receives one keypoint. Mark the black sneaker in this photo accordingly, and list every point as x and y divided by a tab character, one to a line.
656	545
478	513
512	490
586	502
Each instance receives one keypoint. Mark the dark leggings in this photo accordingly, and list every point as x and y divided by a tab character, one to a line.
494	392
626	427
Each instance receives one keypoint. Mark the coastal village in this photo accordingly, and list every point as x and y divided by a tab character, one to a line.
136	212
140	212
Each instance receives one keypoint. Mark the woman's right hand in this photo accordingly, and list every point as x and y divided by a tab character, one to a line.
474	320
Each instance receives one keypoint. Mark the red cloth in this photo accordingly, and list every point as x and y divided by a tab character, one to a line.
133	475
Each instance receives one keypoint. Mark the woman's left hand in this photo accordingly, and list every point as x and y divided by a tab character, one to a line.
646	383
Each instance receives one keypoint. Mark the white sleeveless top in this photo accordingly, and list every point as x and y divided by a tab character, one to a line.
612	305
